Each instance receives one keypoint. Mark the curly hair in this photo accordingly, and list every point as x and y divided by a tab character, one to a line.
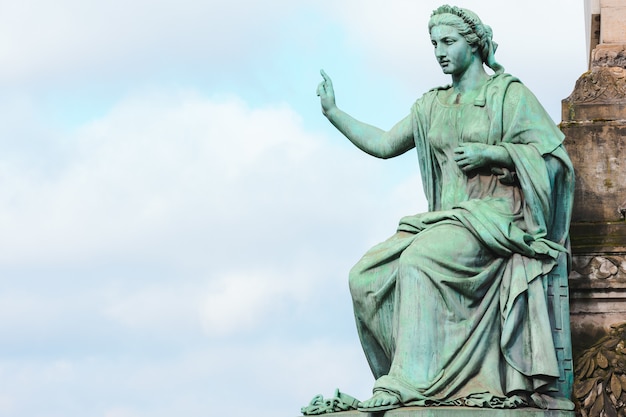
469	25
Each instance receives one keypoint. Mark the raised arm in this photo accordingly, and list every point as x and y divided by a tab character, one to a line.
368	138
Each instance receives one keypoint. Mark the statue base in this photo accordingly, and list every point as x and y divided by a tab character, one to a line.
456	412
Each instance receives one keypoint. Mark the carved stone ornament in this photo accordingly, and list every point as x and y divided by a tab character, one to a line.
600	267
600	377
609	56
600	85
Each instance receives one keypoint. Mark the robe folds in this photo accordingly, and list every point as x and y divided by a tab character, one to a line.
452	309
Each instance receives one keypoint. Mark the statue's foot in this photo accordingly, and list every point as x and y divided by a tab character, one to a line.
380	401
551	403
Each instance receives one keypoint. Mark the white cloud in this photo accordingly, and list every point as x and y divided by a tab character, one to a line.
121	412
40	39
178	211
152	308
151	167
209	379
240	301
168	172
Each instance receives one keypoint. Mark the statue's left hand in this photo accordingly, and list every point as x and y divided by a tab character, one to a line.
471	156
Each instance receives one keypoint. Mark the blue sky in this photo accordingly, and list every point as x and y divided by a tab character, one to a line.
179	219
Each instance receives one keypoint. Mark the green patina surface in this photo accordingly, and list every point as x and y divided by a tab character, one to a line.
451	309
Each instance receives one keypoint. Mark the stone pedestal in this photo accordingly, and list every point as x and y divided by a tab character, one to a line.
594	122
456	412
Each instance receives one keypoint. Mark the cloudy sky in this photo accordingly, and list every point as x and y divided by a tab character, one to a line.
177	218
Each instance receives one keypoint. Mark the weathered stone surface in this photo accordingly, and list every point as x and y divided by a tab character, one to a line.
597	296
599	95
593	34
600	386
594	123
597	151
607	55
606	28
457	412
590	238
611	3
613	28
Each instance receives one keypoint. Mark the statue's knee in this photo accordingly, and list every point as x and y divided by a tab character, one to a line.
411	257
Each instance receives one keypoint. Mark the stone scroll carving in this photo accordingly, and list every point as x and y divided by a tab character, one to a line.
601	85
601	268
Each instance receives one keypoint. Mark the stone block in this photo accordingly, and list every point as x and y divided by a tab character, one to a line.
456	412
613	24
597	296
597	150
594	123
611	3
609	55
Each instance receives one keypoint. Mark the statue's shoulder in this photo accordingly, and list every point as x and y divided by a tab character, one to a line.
505	87
512	88
430	95
434	90
503	80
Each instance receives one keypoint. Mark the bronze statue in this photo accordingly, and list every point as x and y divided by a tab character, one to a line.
452	309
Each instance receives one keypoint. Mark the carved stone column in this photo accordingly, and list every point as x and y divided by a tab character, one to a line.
594	122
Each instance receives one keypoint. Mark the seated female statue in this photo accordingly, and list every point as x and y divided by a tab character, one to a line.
452	310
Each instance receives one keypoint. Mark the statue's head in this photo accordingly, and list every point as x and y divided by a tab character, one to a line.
469	25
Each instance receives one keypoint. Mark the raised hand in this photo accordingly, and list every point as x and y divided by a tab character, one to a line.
326	93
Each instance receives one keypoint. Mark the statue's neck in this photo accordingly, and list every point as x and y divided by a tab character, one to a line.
470	80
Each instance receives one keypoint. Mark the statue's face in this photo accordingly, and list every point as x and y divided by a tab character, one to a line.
453	52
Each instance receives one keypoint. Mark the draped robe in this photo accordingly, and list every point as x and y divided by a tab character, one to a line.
452	309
